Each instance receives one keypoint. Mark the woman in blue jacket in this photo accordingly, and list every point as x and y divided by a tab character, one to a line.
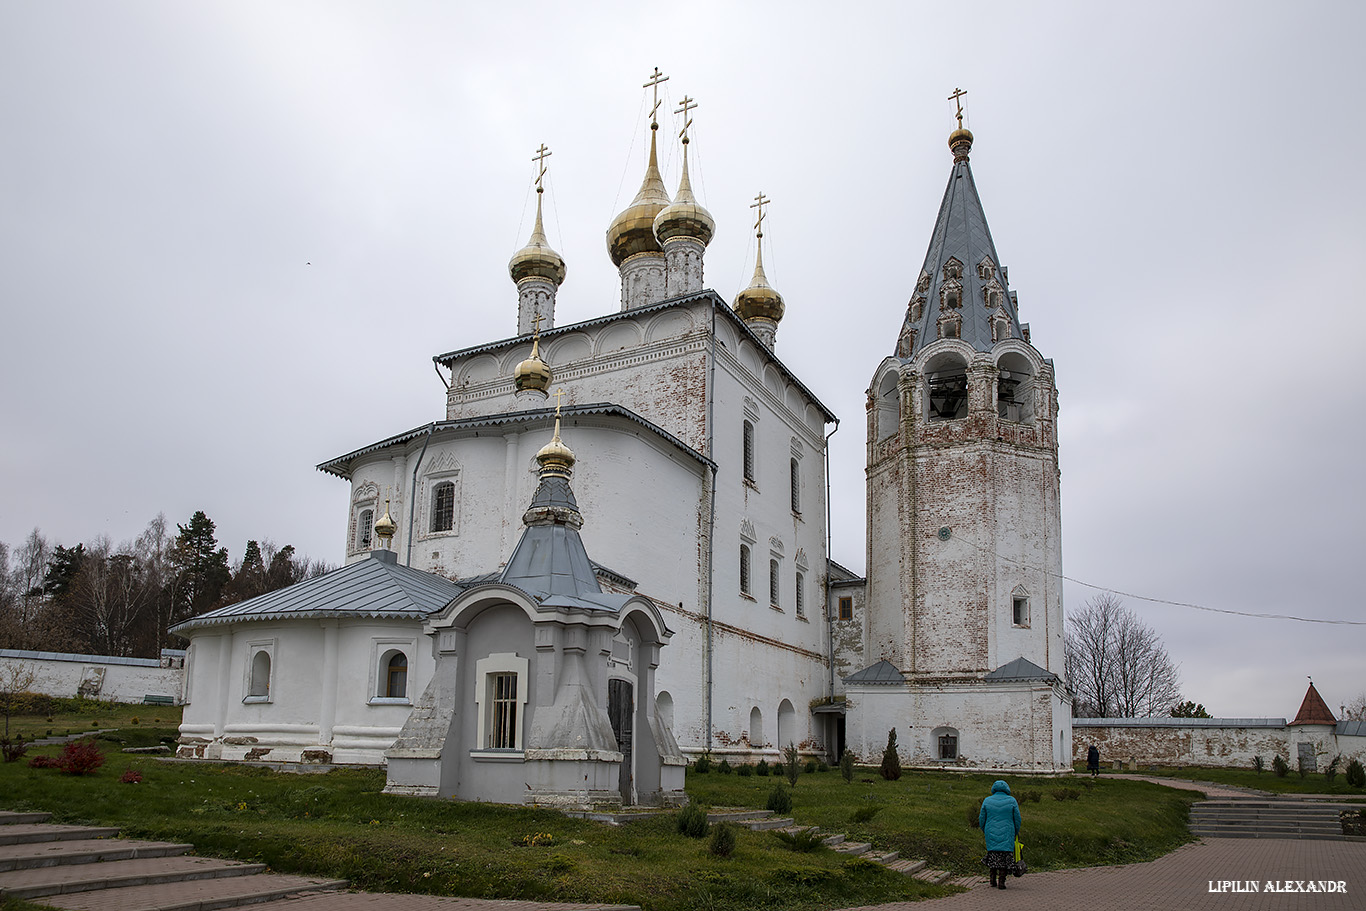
999	820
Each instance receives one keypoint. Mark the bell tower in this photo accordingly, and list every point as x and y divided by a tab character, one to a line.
964	528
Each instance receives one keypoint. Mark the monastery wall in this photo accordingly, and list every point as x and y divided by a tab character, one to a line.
101	676
1213	742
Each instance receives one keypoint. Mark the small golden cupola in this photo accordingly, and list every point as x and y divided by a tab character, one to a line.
555	458
684	228
631	242
760	305
536	268
386	527
533	376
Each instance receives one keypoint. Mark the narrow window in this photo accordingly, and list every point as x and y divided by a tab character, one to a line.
260	675
503	729
796	488
800	596
749	452
443	506
744	569
773	582
1020	610
846	608
364	525
948	746
396	677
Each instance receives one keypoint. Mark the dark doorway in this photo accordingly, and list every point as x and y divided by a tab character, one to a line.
621	712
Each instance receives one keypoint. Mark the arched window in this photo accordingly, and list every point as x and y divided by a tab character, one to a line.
1015	388
749	452
744	569
664	704
888	406
773	583
443	506
396	676
259	686
787	724
946	388
365	524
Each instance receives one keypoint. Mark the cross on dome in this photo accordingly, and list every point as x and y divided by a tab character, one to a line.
687	105
655	79
956	99
759	202
541	155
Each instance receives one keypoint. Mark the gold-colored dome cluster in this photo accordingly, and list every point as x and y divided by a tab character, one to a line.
633	231
685	217
537	259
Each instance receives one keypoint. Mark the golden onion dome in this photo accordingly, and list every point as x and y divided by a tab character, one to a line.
533	373
537	259
386	526
555	456
632	231
685	217
960	140
760	300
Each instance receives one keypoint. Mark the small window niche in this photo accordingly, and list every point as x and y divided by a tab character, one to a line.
1019	608
945	741
888	406
258	672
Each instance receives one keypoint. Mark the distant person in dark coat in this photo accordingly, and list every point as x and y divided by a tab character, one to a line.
1093	761
999	820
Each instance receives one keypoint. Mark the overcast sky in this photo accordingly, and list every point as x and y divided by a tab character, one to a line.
232	236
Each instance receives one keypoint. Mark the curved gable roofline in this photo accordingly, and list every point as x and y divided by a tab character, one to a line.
706	295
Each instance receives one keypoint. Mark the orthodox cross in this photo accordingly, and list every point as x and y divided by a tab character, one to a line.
956	99
559	393
687	105
536	325
759	202
541	155
654	82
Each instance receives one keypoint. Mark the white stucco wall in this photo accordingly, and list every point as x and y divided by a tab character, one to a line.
1215	742
113	678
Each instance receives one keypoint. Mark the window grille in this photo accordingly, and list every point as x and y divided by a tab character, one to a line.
443	506
846	608
365	525
800	596
796	487
503	730
749	452
744	569
948	746
773	582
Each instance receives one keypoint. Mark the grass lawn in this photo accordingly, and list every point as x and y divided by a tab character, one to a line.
1311	783
339	824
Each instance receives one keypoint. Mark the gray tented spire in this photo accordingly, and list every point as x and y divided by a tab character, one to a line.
961	290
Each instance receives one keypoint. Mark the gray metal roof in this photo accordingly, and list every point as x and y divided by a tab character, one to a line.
1351	729
711	297
884	673
1020	669
341	465
961	232
84	659
371	588
1165	722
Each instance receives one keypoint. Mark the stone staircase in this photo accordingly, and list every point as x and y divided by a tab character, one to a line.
87	868
1238	817
765	820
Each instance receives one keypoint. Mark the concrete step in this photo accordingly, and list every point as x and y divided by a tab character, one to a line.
65	879
832	841
195	895
887	859
89	851
933	876
854	848
969	882
906	867
1217	832
32	833
9	818
763	825
737	816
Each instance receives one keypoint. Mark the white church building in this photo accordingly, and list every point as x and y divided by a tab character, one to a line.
700	612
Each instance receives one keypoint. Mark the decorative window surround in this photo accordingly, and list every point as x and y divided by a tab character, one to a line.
486	672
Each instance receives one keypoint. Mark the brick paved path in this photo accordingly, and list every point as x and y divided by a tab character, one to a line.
1181	881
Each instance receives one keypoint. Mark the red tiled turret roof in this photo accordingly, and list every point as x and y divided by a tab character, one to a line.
1314	710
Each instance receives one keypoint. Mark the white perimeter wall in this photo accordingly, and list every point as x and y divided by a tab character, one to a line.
124	679
1219	745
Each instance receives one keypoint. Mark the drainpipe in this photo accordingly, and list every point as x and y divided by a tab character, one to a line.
829	614
711	518
412	490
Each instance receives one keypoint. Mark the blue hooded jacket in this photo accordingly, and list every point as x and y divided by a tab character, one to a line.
999	818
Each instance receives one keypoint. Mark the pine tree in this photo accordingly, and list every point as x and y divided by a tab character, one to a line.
891	762
201	568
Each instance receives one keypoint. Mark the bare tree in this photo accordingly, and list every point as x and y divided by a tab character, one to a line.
22	626
1356	709
1116	664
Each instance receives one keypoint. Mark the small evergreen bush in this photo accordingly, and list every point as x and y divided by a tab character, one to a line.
1257	765
1280	766
1301	767
703	764
865	813
761	768
692	821
1026	795
891	762
792	763
803	840
724	766
779	799
1065	794
722	842
1356	774
1330	771
821	766
744	771
810	766
847	765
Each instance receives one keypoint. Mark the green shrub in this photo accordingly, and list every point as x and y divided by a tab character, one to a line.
703	764
744	771
847	765
975	814
1257	765
1280	766
1356	774
761	768
779	799
1066	794
863	814
724	766
1026	795
803	840
722	842
821	766
13	750
692	821
1301	767
792	763
891	762
1330	771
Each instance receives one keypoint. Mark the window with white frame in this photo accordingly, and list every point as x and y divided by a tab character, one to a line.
749	451
799	594
261	655
773	599
365	525
1019	609
443	506
501	700
796	486
396	676
744	569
